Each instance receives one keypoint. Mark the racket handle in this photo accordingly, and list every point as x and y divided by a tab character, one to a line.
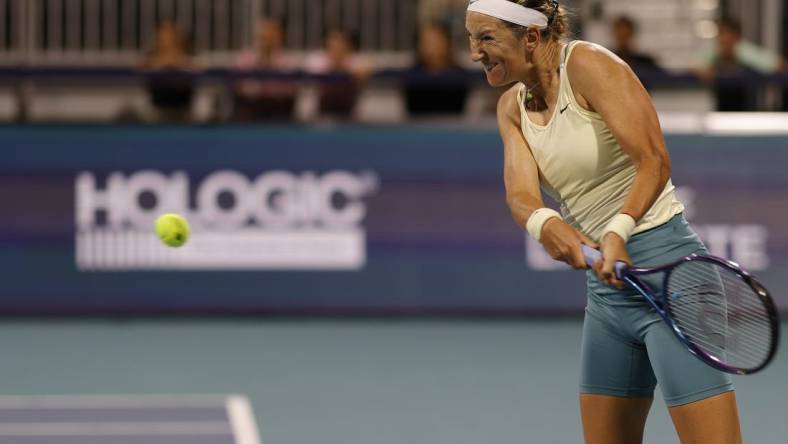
592	255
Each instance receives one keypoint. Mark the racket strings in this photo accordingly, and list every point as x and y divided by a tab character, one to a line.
751	308
715	324
720	313
751	314
717	330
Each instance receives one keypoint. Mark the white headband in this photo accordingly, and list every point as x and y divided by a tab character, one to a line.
509	12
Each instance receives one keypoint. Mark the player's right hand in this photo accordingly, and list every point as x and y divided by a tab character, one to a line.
563	243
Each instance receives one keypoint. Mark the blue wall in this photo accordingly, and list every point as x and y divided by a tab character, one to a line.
437	236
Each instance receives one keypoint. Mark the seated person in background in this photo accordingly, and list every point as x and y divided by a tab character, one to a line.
265	99
437	84
170	85
624	32
733	58
337	97
443	11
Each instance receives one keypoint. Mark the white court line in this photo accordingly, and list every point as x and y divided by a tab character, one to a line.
191	428
110	401
242	420
242	425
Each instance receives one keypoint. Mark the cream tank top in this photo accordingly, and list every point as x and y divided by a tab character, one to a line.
582	166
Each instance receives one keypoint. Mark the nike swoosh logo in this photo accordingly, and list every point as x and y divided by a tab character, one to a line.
567	106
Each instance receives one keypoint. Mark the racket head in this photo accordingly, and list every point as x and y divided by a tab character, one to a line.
723	314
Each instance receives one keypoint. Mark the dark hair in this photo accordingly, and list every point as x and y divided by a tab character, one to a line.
730	23
275	19
442	27
557	18
626	21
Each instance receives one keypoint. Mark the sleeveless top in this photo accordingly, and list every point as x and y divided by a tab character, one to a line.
582	166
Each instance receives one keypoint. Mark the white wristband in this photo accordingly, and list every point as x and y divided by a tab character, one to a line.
538	219
621	224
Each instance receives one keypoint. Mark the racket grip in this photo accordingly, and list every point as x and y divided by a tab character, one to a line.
592	255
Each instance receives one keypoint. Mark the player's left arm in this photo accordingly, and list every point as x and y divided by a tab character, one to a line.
610	88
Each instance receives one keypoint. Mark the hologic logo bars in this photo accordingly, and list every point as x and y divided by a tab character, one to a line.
278	220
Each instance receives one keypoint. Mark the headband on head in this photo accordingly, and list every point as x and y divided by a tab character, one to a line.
510	12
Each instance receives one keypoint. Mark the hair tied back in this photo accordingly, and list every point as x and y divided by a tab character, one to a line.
555	11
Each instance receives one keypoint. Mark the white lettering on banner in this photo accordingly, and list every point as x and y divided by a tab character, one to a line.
279	220
744	244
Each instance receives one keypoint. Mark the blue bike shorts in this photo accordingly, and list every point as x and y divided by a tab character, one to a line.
627	349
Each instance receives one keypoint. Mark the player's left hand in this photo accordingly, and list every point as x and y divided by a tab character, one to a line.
613	249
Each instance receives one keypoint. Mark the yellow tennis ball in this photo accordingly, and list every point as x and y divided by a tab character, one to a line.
172	229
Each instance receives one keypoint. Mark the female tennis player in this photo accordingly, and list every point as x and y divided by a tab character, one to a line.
579	123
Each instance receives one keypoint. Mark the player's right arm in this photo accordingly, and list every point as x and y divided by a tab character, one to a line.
523	195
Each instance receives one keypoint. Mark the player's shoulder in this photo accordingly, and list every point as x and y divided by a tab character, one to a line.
589	54
594	62
507	102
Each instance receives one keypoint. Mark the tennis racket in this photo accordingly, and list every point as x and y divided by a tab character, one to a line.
717	310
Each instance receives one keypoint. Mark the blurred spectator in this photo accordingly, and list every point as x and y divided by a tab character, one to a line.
624	34
337	96
170	84
436	84
441	11
265	99
448	12
730	64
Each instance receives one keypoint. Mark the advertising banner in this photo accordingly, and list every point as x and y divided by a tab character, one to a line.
339	220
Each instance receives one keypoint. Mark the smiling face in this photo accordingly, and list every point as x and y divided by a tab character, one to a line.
497	48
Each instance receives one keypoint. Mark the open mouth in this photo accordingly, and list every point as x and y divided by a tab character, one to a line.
489	66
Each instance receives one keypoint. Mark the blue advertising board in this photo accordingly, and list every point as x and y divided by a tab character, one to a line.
350	220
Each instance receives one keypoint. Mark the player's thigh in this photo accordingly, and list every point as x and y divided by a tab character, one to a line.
682	377
616	380
611	362
612	419
710	420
